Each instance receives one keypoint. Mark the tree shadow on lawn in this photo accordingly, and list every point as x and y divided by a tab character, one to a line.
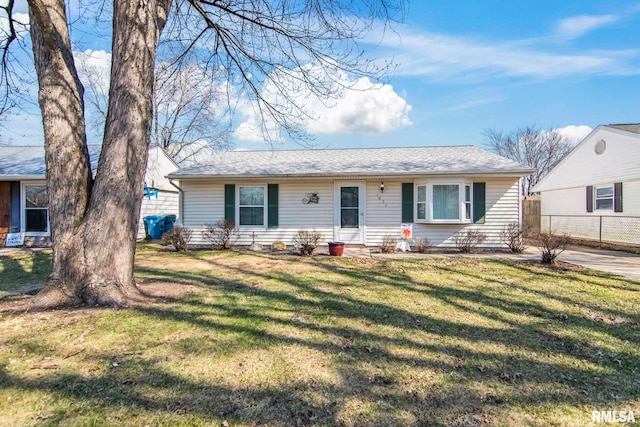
585	371
401	351
26	276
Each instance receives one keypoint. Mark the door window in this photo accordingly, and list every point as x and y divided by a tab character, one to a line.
349	207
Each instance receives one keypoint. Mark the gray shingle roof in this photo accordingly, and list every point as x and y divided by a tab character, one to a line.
18	162
630	127
354	162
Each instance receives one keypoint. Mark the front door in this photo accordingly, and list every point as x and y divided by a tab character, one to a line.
349	212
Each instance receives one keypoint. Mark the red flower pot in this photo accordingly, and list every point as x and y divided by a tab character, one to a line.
336	248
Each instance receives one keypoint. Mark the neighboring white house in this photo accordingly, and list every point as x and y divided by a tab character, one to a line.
356	196
23	191
594	192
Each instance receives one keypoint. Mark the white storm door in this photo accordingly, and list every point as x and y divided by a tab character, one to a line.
349	223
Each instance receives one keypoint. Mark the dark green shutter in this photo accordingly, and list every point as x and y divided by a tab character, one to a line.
230	202
590	198
272	205
479	201
14	208
407	202
617	197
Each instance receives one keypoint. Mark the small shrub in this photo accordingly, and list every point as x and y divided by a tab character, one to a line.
388	244
307	241
551	245
179	237
512	235
222	235
422	245
468	241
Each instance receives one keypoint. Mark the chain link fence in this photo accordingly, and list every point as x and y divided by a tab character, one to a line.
612	229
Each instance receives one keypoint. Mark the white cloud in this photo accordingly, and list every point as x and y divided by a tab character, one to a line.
94	68
446	57
577	26
20	23
353	107
573	133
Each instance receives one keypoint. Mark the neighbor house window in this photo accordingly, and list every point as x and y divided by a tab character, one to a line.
444	202
604	198
251	206
36	208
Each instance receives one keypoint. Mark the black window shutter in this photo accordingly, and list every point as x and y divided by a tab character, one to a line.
14	209
617	197
272	205
590	198
479	202
407	202
230	202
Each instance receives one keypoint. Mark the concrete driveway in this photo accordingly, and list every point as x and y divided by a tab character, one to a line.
616	262
622	263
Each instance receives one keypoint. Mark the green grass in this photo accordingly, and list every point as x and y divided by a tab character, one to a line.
24	272
286	340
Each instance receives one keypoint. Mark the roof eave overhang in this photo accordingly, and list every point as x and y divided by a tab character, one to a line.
511	173
15	177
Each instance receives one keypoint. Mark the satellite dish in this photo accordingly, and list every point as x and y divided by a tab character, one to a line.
600	147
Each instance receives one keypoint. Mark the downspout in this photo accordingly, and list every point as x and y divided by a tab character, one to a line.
180	201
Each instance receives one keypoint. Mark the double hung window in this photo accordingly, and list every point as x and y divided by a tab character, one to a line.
604	198
251	206
36	209
443	202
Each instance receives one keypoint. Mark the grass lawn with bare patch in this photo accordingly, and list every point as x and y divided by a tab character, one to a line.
254	339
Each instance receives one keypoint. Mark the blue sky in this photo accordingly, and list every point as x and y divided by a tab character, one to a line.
467	66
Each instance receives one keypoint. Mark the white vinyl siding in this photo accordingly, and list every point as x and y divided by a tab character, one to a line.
165	204
620	162
563	211
384	213
204	203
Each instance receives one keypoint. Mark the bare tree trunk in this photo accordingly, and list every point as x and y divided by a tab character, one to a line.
94	229
67	159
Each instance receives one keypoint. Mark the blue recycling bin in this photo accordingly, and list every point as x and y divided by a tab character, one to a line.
154	226
169	220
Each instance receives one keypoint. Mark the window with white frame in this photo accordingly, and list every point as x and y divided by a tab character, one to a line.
251	206
467	202
36	209
604	198
421	202
443	202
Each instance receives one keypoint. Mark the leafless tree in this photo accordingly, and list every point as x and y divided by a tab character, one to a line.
94	222
537	148
189	107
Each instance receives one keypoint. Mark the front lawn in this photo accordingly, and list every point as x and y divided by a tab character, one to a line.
253	339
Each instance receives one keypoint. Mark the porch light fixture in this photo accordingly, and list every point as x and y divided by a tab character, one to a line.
382	187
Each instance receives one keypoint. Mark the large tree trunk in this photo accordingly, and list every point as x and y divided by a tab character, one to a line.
94	227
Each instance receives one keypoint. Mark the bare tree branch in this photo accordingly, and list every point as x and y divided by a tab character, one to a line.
537	148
